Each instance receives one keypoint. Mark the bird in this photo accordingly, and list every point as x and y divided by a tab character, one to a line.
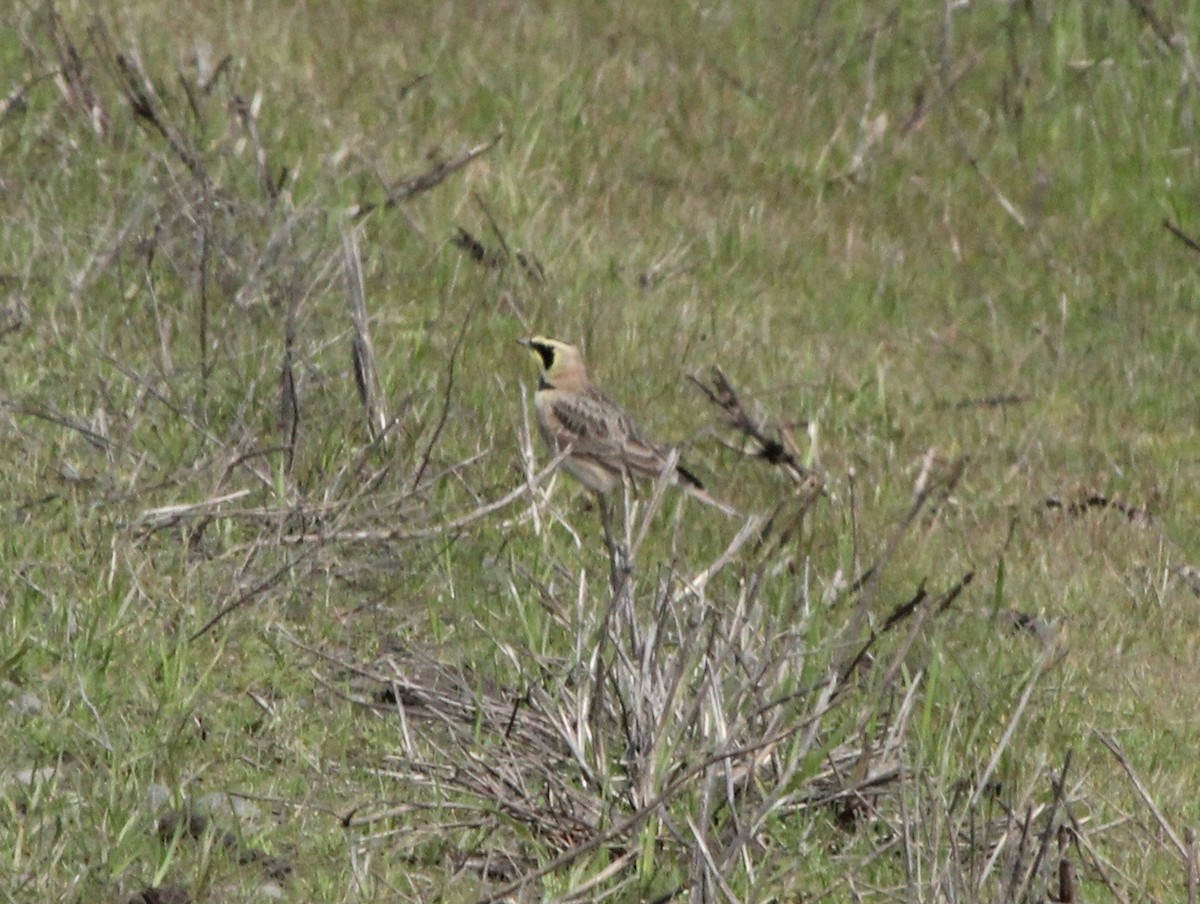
603	444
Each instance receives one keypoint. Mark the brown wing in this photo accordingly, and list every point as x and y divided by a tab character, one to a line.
600	428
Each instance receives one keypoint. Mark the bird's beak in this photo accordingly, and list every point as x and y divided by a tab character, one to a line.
525	342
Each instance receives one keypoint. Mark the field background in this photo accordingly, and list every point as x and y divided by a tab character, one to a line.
265	632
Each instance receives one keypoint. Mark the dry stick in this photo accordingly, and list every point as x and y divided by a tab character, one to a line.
1146	12
74	83
100	442
869	134
674	670
1002	845
108	243
147	106
851	786
722	394
1189	838
706	792
1116	750
248	113
870	581
620	566
366	375
476	250
711	869
249	595
170	514
407	188
1006	738
1018	856
205	259
1066	869
193	101
1007	205
532	274
289	402
657	494
665	267
579	892
505	250
279	245
430	532
901	653
897	616
525	442
445	413
684	661
696	585
531	267
852	486
1001	198
785	779
156	394
923	106
408	87
220	69
1059	786
1181	235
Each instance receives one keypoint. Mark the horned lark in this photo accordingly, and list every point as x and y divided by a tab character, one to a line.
605	445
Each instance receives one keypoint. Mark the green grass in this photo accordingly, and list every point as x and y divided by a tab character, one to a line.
872	220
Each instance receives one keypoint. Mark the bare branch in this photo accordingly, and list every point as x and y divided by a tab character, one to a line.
366	375
404	189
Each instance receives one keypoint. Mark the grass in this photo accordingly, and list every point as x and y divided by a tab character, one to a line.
926	243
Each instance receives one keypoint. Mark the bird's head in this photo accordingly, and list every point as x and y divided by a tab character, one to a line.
562	364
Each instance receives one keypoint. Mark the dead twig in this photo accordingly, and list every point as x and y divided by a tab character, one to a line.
248	114
251	594
1189	838
366	375
74	83
1135	514
1147	14
719	390
1119	754
205	226
867	584
992	401
902	613
477	251
165	515
440	530
447	397
1059	785
981	785
289	401
30	409
497	259
404	189
1174	229
147	105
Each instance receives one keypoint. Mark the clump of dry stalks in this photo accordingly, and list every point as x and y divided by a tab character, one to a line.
704	722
